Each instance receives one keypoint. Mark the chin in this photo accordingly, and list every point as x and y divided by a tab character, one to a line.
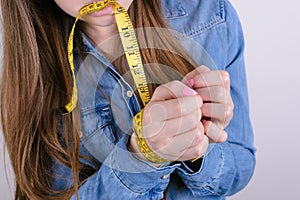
103	21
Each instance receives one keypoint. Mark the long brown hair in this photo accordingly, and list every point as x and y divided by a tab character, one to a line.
36	82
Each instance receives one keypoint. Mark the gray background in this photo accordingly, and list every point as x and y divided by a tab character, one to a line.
272	31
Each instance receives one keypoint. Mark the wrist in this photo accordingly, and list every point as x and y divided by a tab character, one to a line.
133	147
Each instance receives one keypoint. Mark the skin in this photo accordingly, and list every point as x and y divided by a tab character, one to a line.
98	28
214	88
173	123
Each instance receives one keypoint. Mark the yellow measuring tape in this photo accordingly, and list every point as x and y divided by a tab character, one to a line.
133	57
130	45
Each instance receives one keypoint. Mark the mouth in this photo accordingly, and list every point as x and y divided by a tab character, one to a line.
93	1
108	10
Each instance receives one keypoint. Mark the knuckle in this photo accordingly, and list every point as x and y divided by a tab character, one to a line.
228	110
189	136
198	116
158	90
225	75
228	113
220	93
176	82
199	100
231	104
198	152
198	138
200	128
207	126
192	102
193	121
172	85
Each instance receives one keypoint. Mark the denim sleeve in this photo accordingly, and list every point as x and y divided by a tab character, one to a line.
123	176
228	167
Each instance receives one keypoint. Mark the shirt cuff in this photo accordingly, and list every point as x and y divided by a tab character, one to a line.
216	163
135	174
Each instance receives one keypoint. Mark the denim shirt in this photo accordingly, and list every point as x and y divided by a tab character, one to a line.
212	35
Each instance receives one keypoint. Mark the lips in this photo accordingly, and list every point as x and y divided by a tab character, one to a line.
92	1
106	11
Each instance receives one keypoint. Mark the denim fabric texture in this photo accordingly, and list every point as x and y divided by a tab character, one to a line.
106	115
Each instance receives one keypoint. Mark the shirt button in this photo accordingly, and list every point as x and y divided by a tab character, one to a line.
129	93
165	176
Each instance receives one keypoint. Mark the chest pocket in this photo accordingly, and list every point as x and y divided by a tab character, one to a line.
97	131
193	17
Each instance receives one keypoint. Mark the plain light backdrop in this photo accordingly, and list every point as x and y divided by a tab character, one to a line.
272	34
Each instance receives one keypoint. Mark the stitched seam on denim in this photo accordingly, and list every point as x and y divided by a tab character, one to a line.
211	24
180	7
97	107
122	182
106	123
219	173
221	8
89	136
207	187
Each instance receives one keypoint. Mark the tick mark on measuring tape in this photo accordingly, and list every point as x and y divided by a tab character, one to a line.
119	9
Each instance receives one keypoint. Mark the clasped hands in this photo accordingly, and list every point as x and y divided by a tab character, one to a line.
183	117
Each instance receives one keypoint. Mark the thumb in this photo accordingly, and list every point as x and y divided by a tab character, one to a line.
189	77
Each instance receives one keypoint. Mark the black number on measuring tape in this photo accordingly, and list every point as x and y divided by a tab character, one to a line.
124	29
129	47
131	53
137	72
143	89
126	34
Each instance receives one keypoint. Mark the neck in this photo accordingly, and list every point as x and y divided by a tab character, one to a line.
106	38
99	34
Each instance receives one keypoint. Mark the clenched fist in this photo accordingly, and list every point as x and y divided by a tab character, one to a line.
172	124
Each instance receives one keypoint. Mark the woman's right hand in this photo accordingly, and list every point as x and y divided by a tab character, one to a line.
172	123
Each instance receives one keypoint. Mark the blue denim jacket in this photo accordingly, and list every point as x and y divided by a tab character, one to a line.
107	104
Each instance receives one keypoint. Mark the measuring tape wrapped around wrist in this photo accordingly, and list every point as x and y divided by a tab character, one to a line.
130	46
141	142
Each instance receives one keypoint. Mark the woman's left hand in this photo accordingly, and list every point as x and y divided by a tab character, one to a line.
217	109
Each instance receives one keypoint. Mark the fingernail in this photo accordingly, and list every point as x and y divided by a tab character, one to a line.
189	92
191	82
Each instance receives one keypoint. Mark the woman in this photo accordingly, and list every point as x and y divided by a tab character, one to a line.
93	152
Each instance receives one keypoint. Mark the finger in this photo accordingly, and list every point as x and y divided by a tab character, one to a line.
179	143
214	132
171	127
214	94
199	70
212	78
172	90
221	112
195	151
182	124
189	139
171	109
